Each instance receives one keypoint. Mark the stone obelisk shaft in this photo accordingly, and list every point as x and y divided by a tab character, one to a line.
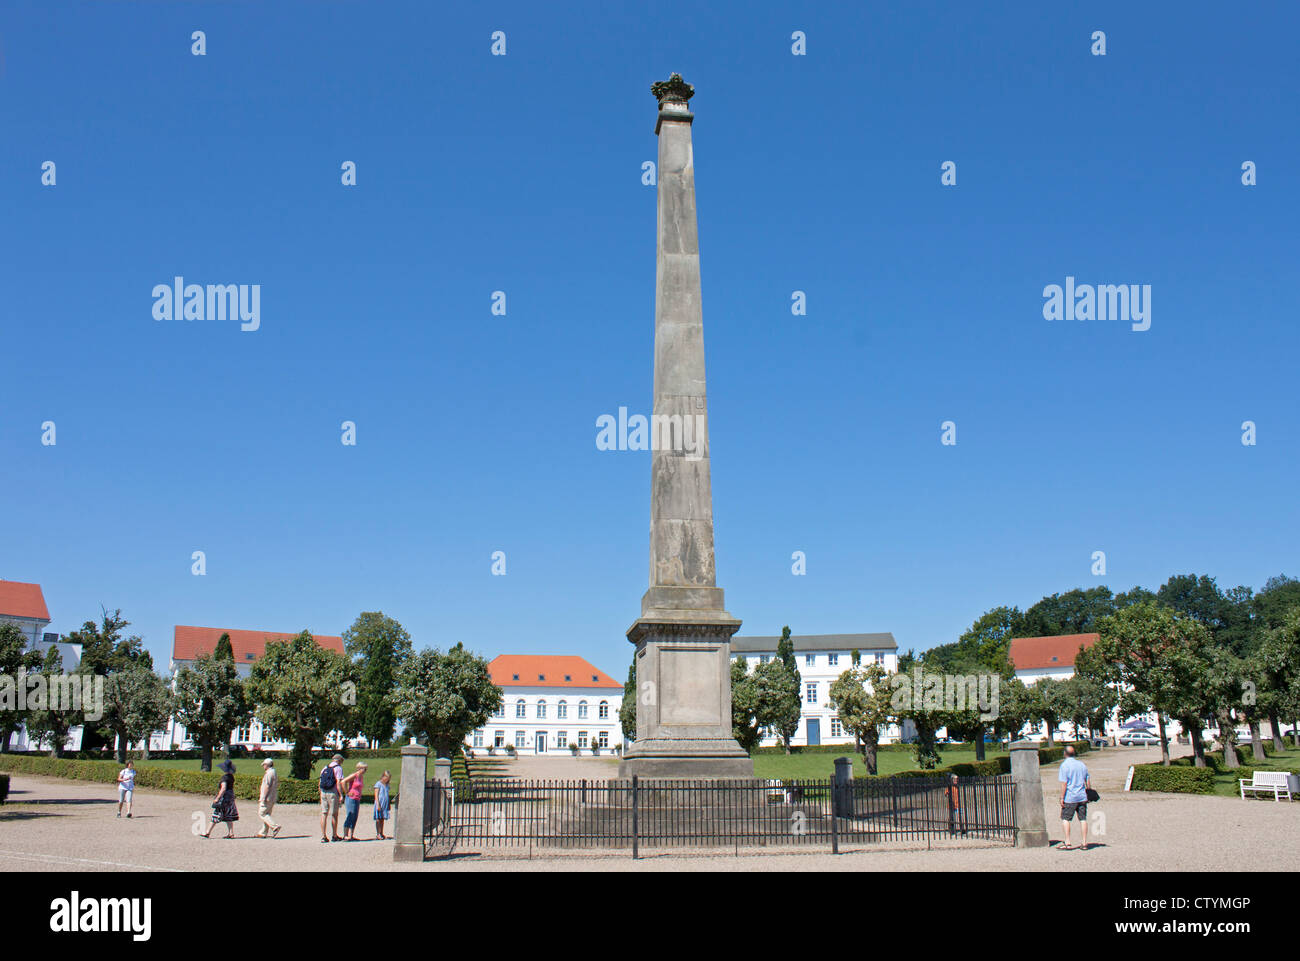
683	634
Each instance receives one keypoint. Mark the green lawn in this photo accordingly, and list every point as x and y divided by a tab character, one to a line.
1226	784
823	765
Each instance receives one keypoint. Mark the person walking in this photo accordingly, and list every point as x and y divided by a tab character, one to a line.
125	788
353	784
330	796
954	807
266	799
381	805
1074	797
223	805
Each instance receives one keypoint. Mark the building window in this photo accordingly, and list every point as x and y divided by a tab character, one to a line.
880	659
762	659
561	739
602	710
500	711
582	710
568	677
519	708
541	709
521	738
498	738
242	736
837	729
832	659
811	693
582	739
809	659
478	738
562	710
604	738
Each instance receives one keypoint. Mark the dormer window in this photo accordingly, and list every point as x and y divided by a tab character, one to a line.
541	677
516	677
248	656
1053	658
568	677
595	678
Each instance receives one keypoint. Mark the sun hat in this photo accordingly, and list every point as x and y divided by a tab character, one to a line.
228	767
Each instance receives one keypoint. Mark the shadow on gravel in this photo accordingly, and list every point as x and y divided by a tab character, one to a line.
69	800
20	815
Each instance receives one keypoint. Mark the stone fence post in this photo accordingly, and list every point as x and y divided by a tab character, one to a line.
409	836
1031	822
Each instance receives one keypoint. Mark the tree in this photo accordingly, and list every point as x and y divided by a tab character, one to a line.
778	714
1048	702
1280	594
1015	704
224	649
210	702
103	651
136	703
627	710
1277	663
987	642
301	692
1074	612
861	697
1087	702
379	645
14	658
1134	655
49	719
443	697
745	727
1224	697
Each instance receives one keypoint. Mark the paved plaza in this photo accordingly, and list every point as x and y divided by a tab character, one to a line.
51	824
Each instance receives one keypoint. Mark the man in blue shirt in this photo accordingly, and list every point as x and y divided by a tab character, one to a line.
1074	797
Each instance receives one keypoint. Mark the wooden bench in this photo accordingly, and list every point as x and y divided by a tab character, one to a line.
1277	783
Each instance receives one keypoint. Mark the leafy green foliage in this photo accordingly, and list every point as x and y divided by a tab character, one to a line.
380	646
301	693
136	703
745	727
211	701
443	697
861	697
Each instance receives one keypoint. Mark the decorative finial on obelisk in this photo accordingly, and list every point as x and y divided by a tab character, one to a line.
674	89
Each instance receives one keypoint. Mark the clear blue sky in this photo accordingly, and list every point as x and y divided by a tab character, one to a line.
522	173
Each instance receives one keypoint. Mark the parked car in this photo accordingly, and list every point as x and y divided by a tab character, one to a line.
1138	739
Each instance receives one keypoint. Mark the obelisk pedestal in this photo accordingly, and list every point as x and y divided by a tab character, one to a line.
683	636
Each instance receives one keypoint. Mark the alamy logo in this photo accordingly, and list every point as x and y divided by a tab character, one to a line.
182	301
75	914
62	693
1130	302
677	432
945	692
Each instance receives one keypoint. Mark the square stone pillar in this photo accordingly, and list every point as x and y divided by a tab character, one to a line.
1027	779
409	836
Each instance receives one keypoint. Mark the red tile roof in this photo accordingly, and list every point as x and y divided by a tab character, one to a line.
547	670
189	642
23	600
1036	653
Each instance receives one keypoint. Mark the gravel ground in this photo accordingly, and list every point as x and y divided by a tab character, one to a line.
51	824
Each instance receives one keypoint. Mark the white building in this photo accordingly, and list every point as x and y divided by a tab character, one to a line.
189	642
23	605
821	658
551	704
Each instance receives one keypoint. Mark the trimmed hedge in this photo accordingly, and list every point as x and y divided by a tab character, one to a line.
1175	780
247	786
997	765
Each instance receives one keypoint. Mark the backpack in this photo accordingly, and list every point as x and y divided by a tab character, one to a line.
327	778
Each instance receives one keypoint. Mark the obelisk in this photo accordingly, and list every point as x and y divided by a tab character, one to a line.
683	636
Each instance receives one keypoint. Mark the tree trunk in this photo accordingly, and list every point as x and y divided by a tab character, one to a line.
1164	739
1256	744
300	758
869	753
1194	735
205	756
1050	724
1276	723
1228	737
119	742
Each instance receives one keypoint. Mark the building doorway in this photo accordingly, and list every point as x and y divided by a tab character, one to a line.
814	731
541	743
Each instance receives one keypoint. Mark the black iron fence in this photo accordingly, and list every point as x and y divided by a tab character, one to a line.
639	814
